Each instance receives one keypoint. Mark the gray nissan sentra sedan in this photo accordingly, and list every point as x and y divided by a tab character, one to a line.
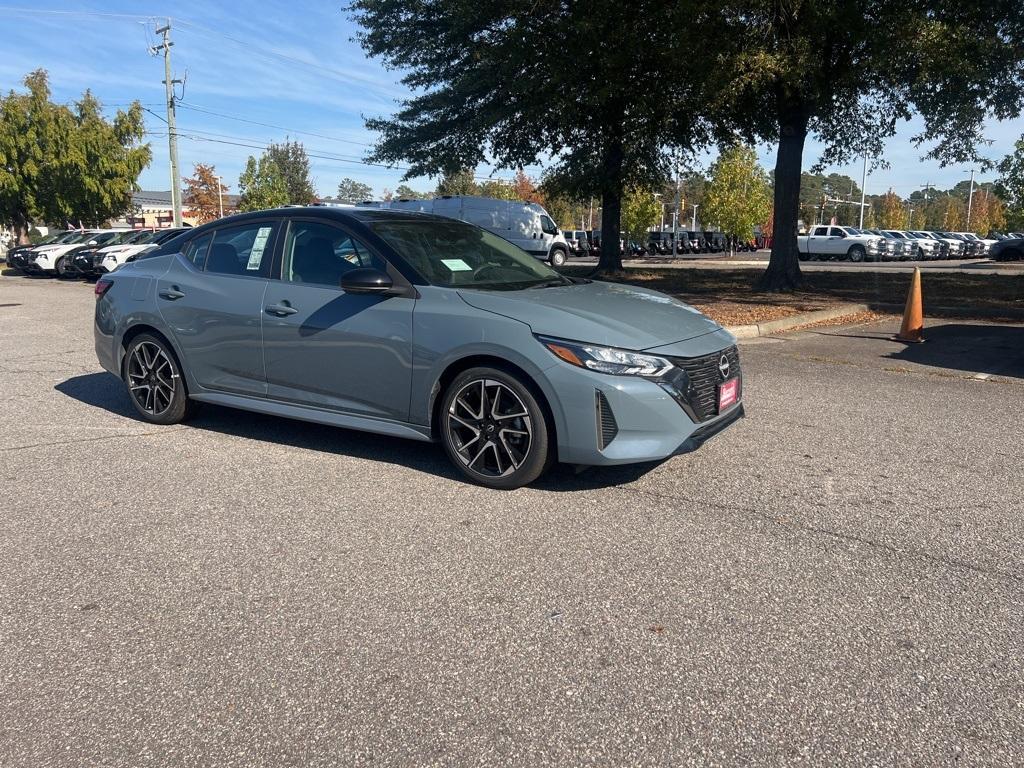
415	326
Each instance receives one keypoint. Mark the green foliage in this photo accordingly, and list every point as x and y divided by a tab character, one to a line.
66	164
405	192
738	196
641	210
458	182
490	81
501	190
1010	186
847	71
351	191
292	161
261	185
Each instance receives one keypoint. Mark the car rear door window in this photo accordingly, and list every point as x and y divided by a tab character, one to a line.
243	250
320	254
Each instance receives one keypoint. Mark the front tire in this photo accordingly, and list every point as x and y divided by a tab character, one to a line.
857	253
558	258
494	430
155	382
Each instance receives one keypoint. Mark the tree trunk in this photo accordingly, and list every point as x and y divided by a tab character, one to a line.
21	230
783	273
611	208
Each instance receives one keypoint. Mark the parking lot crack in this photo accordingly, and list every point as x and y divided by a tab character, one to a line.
91	439
920	554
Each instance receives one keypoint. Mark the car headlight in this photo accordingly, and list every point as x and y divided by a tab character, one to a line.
617	362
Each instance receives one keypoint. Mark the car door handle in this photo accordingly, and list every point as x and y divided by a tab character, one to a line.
171	294
281	310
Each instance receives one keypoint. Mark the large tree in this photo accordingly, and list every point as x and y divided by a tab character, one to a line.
738	196
292	161
490	80
1010	186
204	193
352	191
261	185
641	210
846	71
66	164
405	192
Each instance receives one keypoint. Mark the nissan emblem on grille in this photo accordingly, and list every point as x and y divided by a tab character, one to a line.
723	367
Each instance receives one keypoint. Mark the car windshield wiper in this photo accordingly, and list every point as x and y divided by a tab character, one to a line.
556	282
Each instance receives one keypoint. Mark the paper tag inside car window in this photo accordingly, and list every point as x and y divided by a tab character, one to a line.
456	265
258	246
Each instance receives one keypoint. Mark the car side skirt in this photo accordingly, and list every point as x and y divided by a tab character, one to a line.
316	415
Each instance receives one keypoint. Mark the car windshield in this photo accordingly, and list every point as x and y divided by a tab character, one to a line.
454	254
144	237
123	238
80	237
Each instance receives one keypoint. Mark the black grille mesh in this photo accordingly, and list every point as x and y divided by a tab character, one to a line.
705	377
607	429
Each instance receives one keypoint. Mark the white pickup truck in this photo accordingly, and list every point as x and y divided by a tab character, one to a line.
841	243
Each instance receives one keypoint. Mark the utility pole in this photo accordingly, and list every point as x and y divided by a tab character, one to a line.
863	181
172	133
970	199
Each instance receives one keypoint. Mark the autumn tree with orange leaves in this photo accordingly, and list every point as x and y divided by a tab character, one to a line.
203	193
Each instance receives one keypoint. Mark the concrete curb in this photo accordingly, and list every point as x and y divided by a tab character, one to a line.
786	323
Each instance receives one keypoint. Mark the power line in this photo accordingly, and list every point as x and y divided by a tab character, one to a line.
205	110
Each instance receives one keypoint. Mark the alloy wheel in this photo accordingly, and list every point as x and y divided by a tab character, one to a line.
151	378
490	428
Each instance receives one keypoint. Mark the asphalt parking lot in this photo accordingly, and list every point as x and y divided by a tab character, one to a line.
836	580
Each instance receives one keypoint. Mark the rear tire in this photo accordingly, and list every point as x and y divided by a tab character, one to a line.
494	430
156	385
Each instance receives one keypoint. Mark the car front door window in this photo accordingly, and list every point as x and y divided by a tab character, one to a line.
320	254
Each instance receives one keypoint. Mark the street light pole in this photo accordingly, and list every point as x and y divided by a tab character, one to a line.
220	196
863	181
970	200
693	224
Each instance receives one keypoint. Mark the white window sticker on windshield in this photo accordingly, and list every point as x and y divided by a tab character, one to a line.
258	246
456	265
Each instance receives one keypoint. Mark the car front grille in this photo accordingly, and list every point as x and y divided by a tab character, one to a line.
703	377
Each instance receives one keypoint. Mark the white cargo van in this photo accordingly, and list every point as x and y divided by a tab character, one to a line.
527	225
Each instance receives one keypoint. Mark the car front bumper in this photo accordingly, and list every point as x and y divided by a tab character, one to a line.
652	419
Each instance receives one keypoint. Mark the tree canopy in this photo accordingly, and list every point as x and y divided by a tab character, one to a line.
1011	186
352	191
261	185
204	193
738	195
66	164
490	81
847	71
292	161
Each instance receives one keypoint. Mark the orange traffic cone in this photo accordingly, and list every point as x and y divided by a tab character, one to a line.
913	314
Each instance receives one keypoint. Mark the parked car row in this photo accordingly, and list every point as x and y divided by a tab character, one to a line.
87	253
584	242
830	242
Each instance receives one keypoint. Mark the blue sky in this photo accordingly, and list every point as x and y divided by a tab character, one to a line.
291	65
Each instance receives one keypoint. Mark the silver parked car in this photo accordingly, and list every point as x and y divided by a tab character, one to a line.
416	326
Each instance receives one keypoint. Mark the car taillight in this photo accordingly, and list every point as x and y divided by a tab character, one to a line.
102	286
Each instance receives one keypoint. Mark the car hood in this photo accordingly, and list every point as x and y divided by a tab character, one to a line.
601	313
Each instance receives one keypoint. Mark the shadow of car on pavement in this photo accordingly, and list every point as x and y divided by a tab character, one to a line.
105	391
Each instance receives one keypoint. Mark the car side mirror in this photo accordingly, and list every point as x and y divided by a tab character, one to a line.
366	280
